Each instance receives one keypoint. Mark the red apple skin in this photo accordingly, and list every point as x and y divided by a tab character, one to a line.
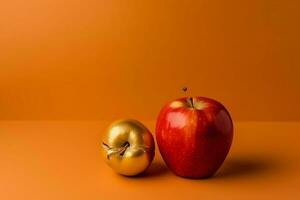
194	142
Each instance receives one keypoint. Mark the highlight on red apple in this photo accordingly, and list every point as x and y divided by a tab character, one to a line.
194	135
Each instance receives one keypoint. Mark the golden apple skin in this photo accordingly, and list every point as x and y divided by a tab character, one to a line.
128	147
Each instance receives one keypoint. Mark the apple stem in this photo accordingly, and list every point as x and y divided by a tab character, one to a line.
190	99
123	149
110	151
192	102
105	146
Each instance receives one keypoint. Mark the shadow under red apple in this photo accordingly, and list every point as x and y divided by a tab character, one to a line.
249	166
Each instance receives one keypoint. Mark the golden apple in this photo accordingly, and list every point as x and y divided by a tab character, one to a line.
128	147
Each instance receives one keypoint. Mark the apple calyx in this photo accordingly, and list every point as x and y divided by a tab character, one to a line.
112	150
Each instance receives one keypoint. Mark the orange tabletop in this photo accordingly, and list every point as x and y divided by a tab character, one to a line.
60	160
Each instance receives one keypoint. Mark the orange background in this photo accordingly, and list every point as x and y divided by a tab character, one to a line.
107	59
111	59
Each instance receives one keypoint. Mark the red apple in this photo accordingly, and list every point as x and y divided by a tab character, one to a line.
194	136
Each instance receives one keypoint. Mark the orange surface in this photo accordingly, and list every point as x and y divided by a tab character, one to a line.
112	59
61	160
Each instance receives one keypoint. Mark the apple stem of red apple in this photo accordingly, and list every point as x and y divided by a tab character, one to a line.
190	99
192	102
